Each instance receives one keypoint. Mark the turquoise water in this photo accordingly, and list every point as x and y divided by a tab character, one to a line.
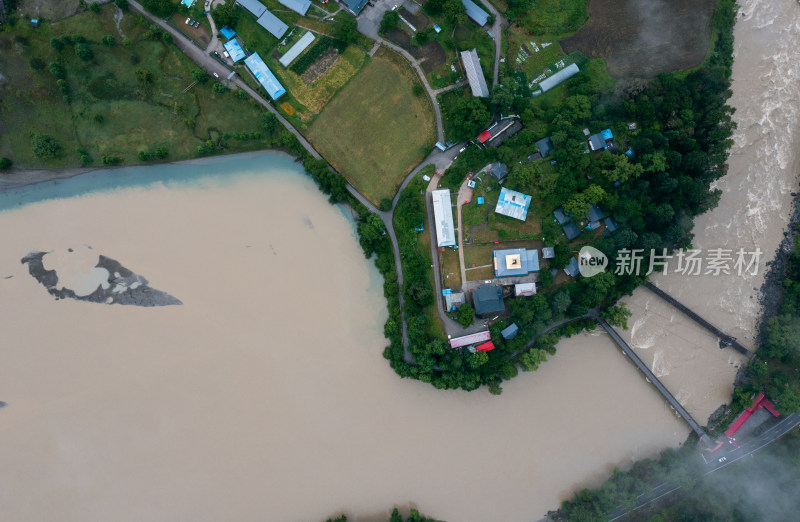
205	172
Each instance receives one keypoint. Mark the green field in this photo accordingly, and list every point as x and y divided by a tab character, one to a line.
108	110
375	130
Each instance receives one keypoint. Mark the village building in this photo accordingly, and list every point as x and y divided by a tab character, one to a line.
499	131
545	146
572	269
443	216
513	204
355	6
561	76
497	169
548	253
467	340
235	50
472	65
254	6
571	230
595	215
272	24
454	300
264	76
298	6
488	346
295	50
510	332
475	13
611	224
600	141
488	299
561	216
515	262
227	32
524	289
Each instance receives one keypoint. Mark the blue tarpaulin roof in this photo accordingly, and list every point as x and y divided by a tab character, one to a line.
235	50
513	204
607	135
264	76
187	3
227	32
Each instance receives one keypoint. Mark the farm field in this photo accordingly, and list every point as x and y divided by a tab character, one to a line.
375	130
127	99
641	39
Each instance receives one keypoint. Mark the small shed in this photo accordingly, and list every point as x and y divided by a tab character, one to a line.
571	230
548	252
454	300
488	346
524	289
34	22
510	332
545	146
227	32
572	268
607	134
535	156
596	142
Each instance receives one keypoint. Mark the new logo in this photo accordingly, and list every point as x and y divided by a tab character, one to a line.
591	261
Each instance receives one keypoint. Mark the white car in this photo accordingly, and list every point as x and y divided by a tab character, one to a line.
723	459
215	75
187	21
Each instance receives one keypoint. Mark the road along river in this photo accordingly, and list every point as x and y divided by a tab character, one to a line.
264	396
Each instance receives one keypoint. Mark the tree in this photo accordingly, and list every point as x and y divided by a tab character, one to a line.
56	44
199	75
57	70
617	315
109	40
84	52
477	359
94	7
465	315
530	360
578	205
468	116
346	29
269	121
144	77
560	302
218	88
122	4
44	146
502	97
417	90
126	42
371	231
389	21
225	13
5	163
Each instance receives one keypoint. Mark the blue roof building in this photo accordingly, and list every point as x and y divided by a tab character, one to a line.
488	299
595	213
515	262
572	268
607	134
510	332
254	6
545	146
234	50
475	13
272	23
611	224
264	76
571	230
355	6
513	204
227	32
596	142
561	216
498	170
298	6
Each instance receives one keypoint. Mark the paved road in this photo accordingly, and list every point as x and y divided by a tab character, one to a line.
497	31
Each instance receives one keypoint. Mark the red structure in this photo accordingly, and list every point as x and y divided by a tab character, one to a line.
485	347
483	136
760	402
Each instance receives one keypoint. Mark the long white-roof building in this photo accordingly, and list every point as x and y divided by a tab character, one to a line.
443	215
296	49
254	6
559	77
472	65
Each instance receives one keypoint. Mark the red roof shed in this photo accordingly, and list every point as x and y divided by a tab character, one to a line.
485	347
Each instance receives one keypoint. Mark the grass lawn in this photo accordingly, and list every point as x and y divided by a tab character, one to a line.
480	274
375	130
434	328
525	57
451	271
108	111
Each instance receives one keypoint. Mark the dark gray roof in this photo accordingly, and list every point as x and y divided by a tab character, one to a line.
596	142
611	224
507	132
510	332
545	146
572	268
571	230
548	252
355	6
488	299
561	216
498	170
272	23
595	213
535	156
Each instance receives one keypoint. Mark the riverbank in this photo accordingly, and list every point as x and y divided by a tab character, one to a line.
20	177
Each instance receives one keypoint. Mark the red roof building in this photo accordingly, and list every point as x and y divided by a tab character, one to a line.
483	136
485	347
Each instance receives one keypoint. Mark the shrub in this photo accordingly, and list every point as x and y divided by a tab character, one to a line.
84	52
86	159
57	70
44	146
56	44
37	64
99	118
78	38
63	86
199	75
219	88
126	42
109	40
5	163
417	90
111	160
386	205
145	155
94	7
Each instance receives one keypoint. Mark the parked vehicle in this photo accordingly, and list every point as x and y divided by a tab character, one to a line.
215	75
187	21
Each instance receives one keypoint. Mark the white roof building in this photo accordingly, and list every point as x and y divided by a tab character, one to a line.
443	215
472	65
